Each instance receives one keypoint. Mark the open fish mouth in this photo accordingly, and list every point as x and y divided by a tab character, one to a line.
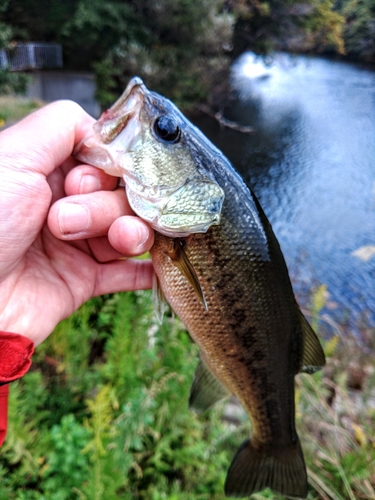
113	134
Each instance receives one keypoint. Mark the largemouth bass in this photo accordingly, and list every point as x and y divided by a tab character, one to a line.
219	265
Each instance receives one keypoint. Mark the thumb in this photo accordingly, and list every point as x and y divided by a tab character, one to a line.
29	152
45	138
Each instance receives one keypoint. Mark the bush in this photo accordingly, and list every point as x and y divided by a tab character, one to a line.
103	415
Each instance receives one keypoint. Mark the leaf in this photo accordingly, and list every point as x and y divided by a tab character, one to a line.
359	435
331	345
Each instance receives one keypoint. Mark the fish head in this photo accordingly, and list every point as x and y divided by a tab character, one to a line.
165	162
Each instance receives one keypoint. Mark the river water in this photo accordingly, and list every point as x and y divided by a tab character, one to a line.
311	162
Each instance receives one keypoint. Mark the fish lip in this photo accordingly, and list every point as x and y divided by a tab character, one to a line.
112	126
114	120
135	82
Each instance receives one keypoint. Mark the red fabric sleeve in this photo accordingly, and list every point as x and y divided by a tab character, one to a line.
15	360
4	391
15	353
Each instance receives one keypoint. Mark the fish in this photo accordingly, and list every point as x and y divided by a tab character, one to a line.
219	265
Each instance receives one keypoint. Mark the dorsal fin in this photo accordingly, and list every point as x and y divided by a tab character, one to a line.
206	389
182	262
313	358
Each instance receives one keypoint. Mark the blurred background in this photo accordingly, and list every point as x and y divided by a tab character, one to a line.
287	91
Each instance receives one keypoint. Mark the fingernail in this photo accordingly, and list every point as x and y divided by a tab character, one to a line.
89	184
73	218
143	234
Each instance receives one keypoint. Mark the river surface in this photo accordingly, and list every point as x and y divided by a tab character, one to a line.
311	163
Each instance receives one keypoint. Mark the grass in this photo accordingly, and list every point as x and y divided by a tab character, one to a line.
336	419
13	108
103	415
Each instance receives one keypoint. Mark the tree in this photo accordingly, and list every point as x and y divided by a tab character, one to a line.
9	81
181	48
295	26
359	33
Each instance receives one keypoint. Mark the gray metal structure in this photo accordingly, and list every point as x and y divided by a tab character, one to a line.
32	55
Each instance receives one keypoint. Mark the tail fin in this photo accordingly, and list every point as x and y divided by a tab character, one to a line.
253	470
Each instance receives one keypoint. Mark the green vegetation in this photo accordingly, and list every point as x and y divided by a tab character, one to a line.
359	32
103	415
13	108
264	26
9	81
182	50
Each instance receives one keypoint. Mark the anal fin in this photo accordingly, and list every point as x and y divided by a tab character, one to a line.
206	389
313	358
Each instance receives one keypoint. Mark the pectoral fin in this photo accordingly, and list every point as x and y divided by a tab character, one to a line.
206	389
182	262
313	358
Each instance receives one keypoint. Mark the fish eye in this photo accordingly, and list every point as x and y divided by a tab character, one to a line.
167	129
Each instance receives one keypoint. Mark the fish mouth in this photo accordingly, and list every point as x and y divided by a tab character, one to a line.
115	131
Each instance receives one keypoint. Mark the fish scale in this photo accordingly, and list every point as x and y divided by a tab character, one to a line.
220	267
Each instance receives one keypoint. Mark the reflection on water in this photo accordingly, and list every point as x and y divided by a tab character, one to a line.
311	163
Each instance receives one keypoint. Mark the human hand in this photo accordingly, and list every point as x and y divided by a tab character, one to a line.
63	226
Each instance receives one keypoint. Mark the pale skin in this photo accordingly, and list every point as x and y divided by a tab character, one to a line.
65	228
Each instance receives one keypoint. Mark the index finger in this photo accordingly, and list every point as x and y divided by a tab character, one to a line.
49	136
